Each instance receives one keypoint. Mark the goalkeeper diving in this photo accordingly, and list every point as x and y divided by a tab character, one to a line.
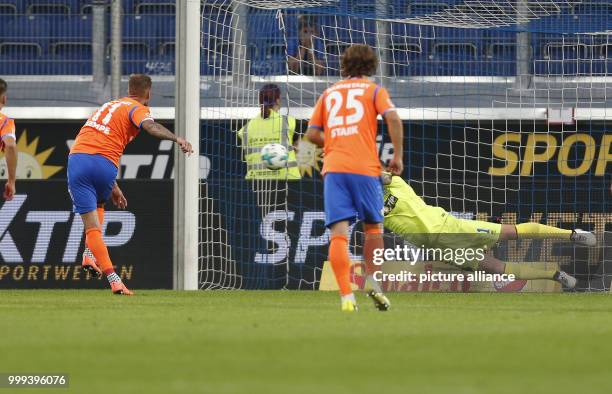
407	215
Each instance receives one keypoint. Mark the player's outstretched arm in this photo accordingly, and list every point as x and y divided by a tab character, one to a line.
10	153
396	132
160	132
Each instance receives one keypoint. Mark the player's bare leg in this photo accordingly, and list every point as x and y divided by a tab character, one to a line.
492	265
89	260
341	264
95	243
542	231
374	240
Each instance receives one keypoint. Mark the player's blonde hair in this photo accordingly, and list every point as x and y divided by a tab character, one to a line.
359	60
139	85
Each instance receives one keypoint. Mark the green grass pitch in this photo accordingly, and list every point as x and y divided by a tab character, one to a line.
300	342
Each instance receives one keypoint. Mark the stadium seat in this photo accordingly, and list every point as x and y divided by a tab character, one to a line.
366	8
269	60
605	51
129	6
8	9
411	8
592	8
167	48
427	7
406	30
566	58
5	21
134	50
34	29
153	30
71	58
603	65
134	56
502	58
70	28
21	58
346	29
21	50
265	26
217	61
87	8
17	66
566	51
206	69
18	6
407	59
162	61
598	62
335	49
50	7
152	7
72	50
456	58
276	51
501	51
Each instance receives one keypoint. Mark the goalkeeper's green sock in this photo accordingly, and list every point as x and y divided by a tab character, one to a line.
524	271
541	231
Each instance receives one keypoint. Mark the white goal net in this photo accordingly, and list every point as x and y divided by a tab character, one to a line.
506	107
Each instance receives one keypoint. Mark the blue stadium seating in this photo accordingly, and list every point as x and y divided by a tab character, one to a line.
408	59
153	30
7	9
605	61
158	7
155	7
33	29
71	58
85	7
70	28
49	7
17	6
424	8
54	36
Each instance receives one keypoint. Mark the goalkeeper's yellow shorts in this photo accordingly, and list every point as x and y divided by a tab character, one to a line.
478	234
433	227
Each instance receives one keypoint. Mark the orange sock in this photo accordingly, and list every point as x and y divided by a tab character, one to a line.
93	240
100	215
373	240
340	262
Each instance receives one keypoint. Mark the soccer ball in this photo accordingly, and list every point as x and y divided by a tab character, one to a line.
274	156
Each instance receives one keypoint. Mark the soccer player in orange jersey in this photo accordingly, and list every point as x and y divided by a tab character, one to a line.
8	145
93	163
344	122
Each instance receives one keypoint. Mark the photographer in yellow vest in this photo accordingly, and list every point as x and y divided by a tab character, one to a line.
269	127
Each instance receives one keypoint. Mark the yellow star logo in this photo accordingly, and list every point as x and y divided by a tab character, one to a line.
30	164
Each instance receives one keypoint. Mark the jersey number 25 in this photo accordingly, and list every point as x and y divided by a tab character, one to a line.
335	101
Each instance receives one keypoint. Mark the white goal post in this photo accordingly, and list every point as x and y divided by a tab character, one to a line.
187	125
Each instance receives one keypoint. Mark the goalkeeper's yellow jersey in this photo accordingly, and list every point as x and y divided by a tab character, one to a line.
407	213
